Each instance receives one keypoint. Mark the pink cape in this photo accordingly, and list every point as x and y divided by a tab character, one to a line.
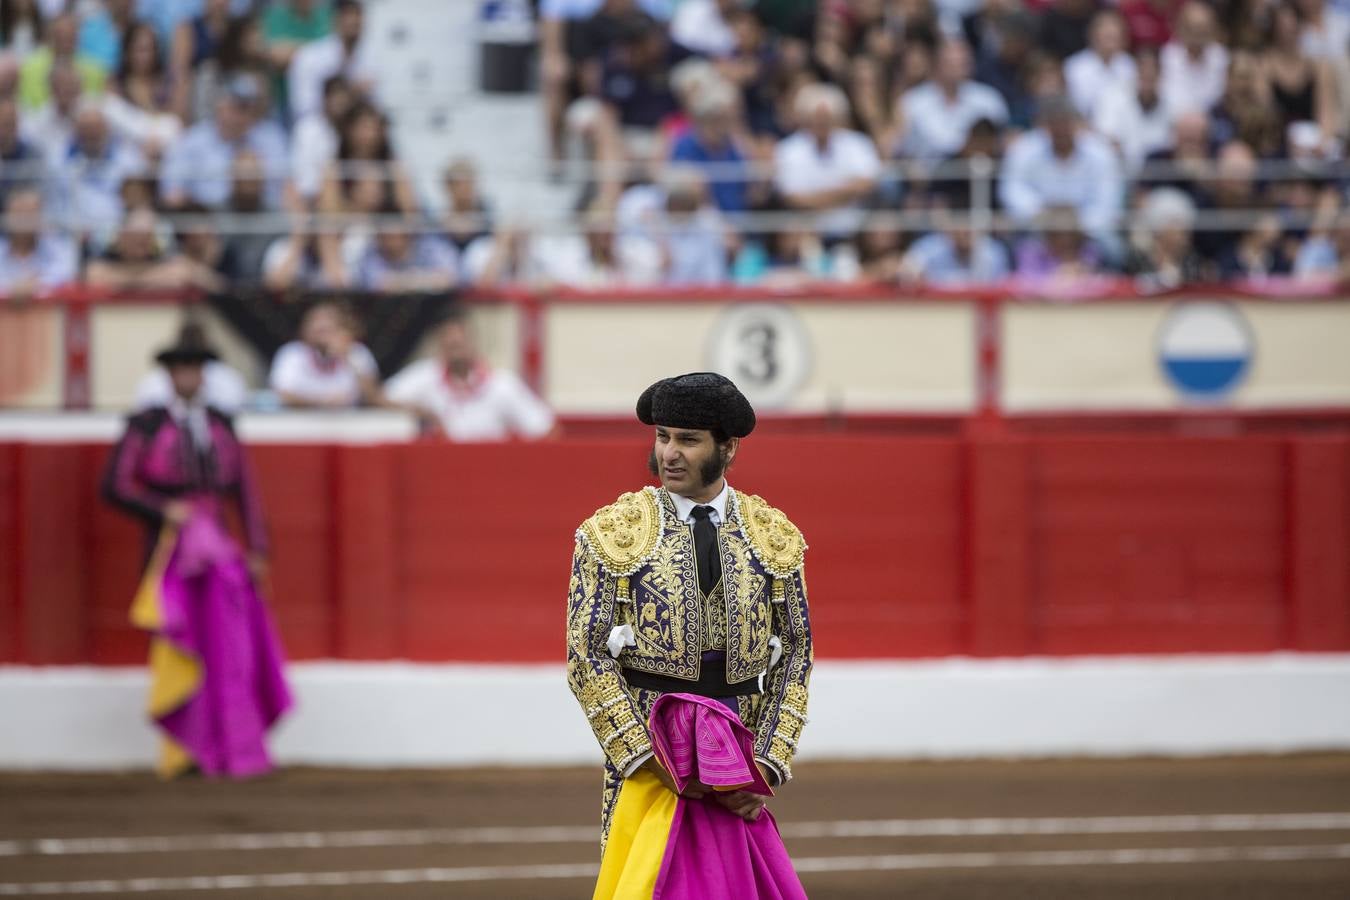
710	852
212	612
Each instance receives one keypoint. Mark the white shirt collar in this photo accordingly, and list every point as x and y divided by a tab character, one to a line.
684	507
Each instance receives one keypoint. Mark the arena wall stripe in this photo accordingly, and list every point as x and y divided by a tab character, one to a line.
409	715
1319	555
921	546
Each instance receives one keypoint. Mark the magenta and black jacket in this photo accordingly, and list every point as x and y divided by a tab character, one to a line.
157	460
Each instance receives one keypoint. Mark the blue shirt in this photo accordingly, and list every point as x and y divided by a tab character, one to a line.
166	14
100	40
935	258
87	191
728	193
54	261
1316	257
428	254
697	253
198	164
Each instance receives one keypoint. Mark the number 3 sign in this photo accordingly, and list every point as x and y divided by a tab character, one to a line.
765	349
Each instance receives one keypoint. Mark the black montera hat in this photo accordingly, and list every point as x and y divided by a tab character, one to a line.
191	347
703	400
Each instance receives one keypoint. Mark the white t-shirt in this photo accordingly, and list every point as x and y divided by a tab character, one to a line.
298	369
1089	77
801	168
698	25
936	127
314	144
222	388
493	405
1189	85
1119	116
316	62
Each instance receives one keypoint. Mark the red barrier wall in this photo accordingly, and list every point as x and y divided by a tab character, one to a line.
919	546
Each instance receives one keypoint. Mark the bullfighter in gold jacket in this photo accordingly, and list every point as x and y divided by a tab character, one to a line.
691	587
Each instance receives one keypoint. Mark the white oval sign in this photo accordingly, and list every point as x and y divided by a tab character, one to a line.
765	349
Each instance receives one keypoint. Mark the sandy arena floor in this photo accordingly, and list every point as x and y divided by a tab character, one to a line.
1088	830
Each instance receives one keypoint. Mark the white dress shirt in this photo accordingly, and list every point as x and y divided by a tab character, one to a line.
298	369
1137	132
698	26
1189	85
314	144
1089	77
937	127
315	63
1089	179
684	507
801	167
491	405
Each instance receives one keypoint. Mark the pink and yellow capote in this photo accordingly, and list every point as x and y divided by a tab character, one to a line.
666	847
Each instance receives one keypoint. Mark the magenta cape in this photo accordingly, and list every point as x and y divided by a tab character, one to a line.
216	663
666	847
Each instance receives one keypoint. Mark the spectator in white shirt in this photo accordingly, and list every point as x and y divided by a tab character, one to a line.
51	126
1194	64
458	394
953	254
341	53
823	167
681	224
936	116
198	164
1326	30
595	258
1062	164
314	141
398	260
32	259
1133	116
701	26
1104	65
87	174
327	368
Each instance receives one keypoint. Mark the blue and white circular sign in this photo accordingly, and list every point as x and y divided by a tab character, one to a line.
1205	349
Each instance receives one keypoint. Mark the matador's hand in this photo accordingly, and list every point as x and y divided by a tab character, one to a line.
747	805
694	790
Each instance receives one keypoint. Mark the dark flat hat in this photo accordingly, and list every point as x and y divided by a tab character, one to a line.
702	400
190	347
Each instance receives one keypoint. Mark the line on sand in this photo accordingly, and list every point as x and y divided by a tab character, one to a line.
568	834
893	862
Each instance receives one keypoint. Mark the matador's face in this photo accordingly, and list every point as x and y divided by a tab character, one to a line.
689	462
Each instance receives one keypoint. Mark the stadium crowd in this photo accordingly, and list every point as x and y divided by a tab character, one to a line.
206	143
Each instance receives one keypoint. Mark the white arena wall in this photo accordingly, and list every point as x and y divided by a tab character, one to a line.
389	715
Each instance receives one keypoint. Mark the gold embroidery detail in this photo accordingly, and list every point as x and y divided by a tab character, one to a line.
624	534
668	608
787	729
715	619
616	725
775	541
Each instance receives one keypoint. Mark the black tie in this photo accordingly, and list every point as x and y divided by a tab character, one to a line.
705	549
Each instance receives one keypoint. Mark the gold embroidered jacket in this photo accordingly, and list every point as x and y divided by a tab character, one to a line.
634	565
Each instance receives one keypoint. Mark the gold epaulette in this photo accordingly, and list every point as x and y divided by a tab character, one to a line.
775	541
623	535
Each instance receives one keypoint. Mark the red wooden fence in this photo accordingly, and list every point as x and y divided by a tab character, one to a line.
920	546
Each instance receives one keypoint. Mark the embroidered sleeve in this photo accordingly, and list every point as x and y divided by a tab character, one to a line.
122	487
783	713
592	674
